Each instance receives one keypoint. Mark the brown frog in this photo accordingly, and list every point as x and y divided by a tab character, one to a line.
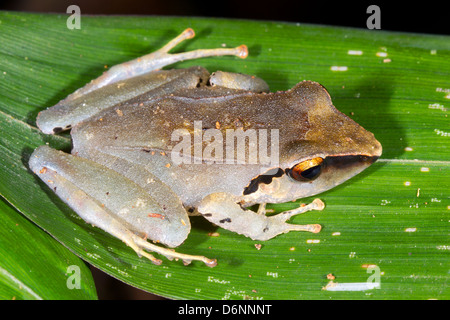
151	147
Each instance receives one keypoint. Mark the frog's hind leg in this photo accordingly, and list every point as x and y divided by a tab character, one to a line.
224	210
113	203
126	81
155	61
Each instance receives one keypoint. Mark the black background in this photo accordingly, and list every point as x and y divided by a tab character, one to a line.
408	16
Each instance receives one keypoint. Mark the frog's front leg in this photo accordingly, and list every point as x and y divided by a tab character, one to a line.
114	203
224	210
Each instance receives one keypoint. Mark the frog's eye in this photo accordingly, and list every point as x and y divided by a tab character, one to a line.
307	170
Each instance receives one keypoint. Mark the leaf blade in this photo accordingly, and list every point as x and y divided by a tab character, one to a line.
391	99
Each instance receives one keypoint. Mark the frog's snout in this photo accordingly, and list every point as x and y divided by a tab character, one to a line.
378	150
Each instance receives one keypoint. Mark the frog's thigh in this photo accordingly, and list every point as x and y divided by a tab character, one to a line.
223	209
111	202
238	81
69	112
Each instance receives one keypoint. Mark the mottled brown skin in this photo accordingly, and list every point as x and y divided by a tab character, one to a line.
309	124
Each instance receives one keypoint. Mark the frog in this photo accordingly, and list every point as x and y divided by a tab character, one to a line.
122	177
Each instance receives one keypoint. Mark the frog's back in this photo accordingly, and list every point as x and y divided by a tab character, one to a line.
141	133
151	123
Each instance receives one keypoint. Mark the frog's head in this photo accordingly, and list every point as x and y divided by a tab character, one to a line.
329	149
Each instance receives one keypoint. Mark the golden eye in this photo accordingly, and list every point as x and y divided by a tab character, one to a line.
307	170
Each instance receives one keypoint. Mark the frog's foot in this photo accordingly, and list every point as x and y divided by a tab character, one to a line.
224	210
169	253
114	203
155	61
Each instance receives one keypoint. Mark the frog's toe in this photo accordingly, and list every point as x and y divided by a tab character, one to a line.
172	254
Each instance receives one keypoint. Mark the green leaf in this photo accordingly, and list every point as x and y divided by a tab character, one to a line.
394	215
34	266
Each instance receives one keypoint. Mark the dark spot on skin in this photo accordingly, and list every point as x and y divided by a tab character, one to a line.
199	82
107	193
208	215
265	178
225	220
265	229
206	128
146	150
57	130
115	138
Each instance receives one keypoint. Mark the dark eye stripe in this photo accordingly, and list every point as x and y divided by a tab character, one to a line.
264	178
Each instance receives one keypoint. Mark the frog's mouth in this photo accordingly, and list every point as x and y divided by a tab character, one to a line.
321	176
337	169
347	163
